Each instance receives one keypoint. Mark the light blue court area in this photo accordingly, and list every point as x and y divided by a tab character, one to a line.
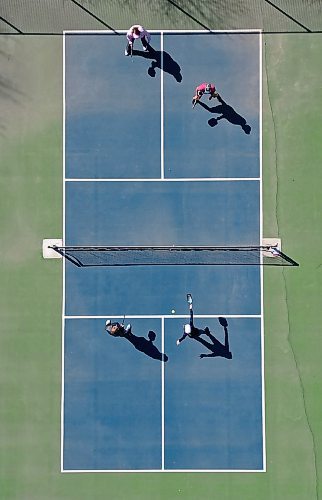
112	110
213	406
210	140
112	414
125	410
162	213
142	168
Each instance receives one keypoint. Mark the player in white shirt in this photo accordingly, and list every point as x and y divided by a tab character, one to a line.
137	31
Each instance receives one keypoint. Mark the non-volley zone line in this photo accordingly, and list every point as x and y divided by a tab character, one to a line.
186	179
166	316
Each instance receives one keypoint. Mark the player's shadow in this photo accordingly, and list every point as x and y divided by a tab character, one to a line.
146	345
228	113
216	348
160	59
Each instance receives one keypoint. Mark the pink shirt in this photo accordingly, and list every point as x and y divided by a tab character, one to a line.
202	87
143	33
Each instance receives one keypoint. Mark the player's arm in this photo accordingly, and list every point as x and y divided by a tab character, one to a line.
146	35
129	35
181	338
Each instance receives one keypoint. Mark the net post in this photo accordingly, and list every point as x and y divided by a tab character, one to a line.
272	242
274	249
48	251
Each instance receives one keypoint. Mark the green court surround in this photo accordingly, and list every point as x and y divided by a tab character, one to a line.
30	298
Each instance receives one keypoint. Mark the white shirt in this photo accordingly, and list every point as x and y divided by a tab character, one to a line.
143	33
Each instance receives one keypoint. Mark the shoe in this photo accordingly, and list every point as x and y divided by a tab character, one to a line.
108	322
128	328
145	49
178	342
126	53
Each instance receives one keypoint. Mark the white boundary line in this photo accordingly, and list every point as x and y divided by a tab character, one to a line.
261	239
168	316
183	179
162	109
63	277
157	32
162	317
162	398
136	471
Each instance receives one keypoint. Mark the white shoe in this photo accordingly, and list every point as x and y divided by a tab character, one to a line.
178	342
108	322
145	49
128	328
126	53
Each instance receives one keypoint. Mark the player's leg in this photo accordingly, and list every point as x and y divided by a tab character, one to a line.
128	49
186	330
195	99
205	343
206	331
213	95
145	44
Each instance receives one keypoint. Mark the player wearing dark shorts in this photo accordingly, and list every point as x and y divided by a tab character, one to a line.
189	330
117	329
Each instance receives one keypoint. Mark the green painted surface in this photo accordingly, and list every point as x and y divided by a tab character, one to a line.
30	296
293	207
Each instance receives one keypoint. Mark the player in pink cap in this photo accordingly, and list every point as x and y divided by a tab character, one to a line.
204	88
135	32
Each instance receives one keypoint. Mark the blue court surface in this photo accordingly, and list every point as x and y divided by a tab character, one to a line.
144	168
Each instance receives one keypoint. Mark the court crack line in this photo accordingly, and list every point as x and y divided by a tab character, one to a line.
286	290
275	141
301	387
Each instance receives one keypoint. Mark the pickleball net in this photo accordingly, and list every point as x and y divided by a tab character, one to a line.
87	256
